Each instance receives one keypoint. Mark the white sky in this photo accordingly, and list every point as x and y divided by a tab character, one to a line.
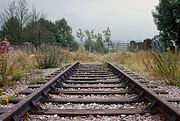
127	19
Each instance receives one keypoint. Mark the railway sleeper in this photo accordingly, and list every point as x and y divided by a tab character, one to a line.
83	112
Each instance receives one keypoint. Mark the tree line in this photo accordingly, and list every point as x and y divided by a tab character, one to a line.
92	42
20	24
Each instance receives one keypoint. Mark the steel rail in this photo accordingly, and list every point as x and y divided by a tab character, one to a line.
158	104
29	103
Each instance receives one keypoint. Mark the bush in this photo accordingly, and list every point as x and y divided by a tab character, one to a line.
47	56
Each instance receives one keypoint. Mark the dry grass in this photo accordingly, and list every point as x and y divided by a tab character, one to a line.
164	66
13	66
84	57
133	61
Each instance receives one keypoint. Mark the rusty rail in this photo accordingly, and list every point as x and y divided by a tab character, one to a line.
23	106
158	104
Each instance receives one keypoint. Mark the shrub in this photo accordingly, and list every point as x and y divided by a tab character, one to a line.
47	56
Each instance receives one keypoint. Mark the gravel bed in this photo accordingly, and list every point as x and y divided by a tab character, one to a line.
173	91
47	72
99	78
92	106
176	104
90	89
22	85
99	84
115	96
137	117
7	106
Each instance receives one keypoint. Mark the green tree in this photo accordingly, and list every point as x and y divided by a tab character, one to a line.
74	46
17	14
12	30
99	45
80	35
40	31
90	36
167	18
107	35
63	33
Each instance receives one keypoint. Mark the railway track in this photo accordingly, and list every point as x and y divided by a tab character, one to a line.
90	90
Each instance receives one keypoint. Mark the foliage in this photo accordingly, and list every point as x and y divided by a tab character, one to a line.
93	42
84	57
47	56
40	31
13	20
1	91
12	67
166	65
80	35
4	100
3	69
99	45
20	25
89	40
63	34
131	60
74	46
12	29
167	19
107	35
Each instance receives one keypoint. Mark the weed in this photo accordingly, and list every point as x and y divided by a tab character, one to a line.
12	67
4	100
47	56
1	91
166	65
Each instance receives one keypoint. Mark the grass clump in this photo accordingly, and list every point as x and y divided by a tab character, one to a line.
47	56
167	65
12	67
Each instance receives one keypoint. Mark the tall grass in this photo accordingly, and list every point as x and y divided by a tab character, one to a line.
47	56
129	59
167	65
164	66
82	56
85	57
12	67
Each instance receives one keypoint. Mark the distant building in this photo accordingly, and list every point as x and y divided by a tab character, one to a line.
136	46
120	46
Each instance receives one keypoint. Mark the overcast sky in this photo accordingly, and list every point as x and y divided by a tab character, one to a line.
127	19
